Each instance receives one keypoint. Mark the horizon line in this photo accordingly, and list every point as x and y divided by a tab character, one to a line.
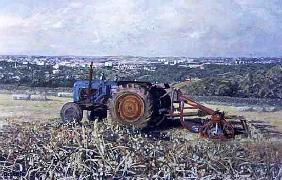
35	55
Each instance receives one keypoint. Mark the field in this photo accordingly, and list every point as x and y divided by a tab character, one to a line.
49	110
30	110
33	145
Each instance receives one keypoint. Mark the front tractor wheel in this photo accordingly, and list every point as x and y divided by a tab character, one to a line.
71	112
130	107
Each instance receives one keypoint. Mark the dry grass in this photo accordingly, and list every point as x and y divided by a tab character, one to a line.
46	110
33	146
99	150
30	110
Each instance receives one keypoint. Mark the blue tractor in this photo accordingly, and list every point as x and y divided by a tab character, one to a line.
140	104
143	104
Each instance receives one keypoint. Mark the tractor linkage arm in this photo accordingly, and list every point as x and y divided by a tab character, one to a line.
216	126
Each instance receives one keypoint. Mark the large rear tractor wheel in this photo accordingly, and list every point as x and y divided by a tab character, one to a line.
131	105
71	112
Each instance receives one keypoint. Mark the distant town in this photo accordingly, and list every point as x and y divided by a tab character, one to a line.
132	62
63	71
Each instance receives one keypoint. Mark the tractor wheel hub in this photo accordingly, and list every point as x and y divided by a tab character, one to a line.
130	107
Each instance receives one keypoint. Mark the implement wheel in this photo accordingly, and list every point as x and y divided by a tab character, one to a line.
217	128
131	106
71	112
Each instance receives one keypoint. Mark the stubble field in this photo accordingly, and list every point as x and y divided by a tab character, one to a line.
33	145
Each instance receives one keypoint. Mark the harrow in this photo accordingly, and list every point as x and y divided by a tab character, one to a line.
216	126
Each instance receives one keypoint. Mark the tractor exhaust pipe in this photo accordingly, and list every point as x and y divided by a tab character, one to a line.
90	77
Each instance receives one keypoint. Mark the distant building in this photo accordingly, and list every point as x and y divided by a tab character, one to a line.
108	64
95	64
41	63
56	71
56	66
162	60
150	68
66	63
196	66
173	63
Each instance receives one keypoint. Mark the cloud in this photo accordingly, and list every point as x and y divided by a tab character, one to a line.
146	28
10	21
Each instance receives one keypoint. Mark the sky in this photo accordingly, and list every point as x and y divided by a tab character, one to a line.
191	28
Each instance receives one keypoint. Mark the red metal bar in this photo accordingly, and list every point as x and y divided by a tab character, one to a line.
216	119
199	106
184	114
